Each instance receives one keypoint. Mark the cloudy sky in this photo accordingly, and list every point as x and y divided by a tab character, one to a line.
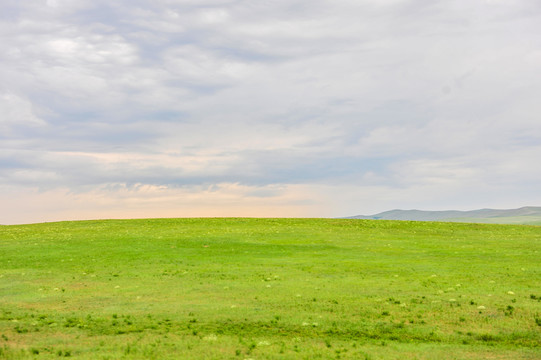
295	108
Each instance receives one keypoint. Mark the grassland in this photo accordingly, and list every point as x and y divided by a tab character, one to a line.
269	289
518	220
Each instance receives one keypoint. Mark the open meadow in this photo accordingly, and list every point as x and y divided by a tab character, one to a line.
237	288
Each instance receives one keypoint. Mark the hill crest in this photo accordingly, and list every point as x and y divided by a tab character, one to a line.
523	215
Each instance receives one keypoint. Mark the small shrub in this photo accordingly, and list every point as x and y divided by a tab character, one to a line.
250	348
20	330
487	337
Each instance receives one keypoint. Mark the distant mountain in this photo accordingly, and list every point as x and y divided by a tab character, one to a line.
523	215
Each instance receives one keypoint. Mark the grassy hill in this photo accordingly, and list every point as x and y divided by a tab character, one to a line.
528	215
269	289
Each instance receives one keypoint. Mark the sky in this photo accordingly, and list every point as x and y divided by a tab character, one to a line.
267	108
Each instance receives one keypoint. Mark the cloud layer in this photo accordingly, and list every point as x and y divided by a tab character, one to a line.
267	108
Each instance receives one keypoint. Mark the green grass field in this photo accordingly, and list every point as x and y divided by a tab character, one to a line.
270	289
519	220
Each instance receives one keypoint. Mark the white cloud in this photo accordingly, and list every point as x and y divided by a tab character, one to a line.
200	67
52	3
16	112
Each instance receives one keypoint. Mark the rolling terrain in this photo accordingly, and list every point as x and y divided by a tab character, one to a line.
529	215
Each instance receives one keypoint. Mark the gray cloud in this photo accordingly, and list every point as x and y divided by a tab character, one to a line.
429	102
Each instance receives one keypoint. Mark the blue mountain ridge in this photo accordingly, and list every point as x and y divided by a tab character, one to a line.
520	215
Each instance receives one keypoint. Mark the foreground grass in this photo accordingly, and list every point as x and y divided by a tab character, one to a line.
270	289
